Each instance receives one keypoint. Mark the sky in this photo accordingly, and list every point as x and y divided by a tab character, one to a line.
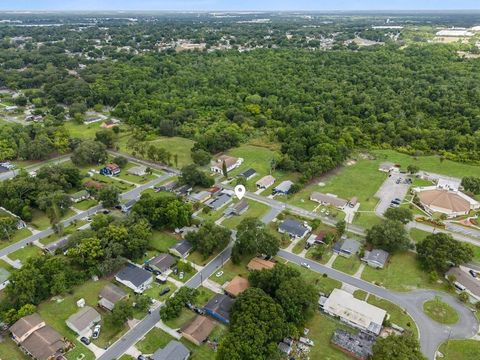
238	5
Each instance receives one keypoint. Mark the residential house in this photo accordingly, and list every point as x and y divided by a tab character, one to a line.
134	277
37	339
183	190
357	346
283	188
169	186
265	182
6	213
174	350
219	308
110	170
80	196
237	286
11	108
215	190
329	200
237	209
83	321
110	295
138	170
352	311
126	207
4	276
161	263
257	264
347	247
181	249
109	124
294	228
247	174
198	330
376	258
316	239
218	202
201	196
230	163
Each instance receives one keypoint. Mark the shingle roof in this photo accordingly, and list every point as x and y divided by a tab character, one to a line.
44	343
247	173
174	350
284	186
199	328
162	261
328	199
237	285
293	227
134	274
112	293
83	318
221	304
266	181
260	264
182	247
25	324
219	201
377	255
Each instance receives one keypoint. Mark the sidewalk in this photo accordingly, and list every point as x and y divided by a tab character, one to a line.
331	260
168	330
209	284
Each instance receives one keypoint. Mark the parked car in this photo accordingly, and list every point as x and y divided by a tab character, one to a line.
85	340
164	291
181	275
218	274
96	331
473	273
141	357
305	265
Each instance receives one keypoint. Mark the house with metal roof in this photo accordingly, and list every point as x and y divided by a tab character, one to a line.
294	228
247	174
200	196
376	258
219	202
134	277
237	209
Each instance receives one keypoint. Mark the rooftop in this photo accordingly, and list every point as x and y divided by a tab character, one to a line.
328	199
220	304
199	328
284	186
377	255
174	350
83	318
237	285
294	227
112	293
134	274
182	247
162	261
359	345
260	264
444	199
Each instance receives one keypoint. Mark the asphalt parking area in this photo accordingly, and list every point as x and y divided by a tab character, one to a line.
392	188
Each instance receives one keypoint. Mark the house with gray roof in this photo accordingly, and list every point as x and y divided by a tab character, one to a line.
237	209
80	195
294	228
201	196
110	295
219	307
358	346
347	247
376	258
220	201
82	321
181	249
161	263
174	350
247	174
59	245
134	277
283	187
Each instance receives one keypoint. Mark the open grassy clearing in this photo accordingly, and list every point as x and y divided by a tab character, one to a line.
460	350
255	210
40	221
418	235
322	284
440	311
9	350
161	241
66	231
360	294
25	253
230	270
17	236
82	131
155	289
347	265
153	340
403	273
85	204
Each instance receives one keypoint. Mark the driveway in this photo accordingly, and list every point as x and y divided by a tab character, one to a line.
432	334
390	190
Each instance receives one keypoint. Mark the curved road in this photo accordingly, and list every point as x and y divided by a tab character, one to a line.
432	334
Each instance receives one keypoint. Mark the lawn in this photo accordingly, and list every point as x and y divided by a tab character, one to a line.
17	236
40	221
361	179
107	180
204	352
153	340
82	131
66	231
255	210
124	175
161	241
418	235
322	328
428	163
85	204
403	273
366	219
155	288
26	252
347	265
56	312
440	311
186	316
396	314
9	350
322	284
360	294
460	350
204	295
230	270
258	158
199	259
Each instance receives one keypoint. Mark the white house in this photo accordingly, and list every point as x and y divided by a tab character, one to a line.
230	162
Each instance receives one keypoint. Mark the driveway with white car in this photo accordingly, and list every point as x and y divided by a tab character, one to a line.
394	187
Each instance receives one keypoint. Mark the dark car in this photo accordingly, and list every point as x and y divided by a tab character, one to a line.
141	357
473	273
106	212
85	340
164	291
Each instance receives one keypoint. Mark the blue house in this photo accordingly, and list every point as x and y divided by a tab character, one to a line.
110	170
219	308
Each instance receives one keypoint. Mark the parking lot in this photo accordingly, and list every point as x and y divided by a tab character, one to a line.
395	186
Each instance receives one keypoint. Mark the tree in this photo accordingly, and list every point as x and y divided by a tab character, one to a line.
209	238
390	236
89	153
404	215
271	280
253	238
121	312
120	161
404	347
298	300
257	324
340	226
106	137
142	302
224	169
8	226
471	184
201	157
413	169
174	305
109	196
87	253
440	251
192	176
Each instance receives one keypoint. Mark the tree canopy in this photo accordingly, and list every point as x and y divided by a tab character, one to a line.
390	236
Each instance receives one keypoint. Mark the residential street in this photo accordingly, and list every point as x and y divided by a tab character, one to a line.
432	334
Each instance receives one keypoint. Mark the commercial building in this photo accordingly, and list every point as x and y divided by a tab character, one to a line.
450	203
352	311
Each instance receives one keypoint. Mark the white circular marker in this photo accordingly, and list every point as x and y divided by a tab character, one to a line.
240	191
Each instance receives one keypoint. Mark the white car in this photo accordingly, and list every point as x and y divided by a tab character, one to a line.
218	274
181	275
96	331
305	265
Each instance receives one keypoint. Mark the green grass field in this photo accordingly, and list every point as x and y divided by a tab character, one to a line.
161	241
418	235
154	290
40	220
255	210
230	270
17	236
403	273
440	311
347	265
26	252
9	350
82	131
460	350
153	340
85	204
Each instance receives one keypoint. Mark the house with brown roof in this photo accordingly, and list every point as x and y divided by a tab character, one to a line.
37	339
237	286
94	185
265	182
260	264
230	162
450	203
198	330
110	295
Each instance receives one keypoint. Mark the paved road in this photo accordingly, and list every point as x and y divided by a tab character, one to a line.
131	194
432	334
431	229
